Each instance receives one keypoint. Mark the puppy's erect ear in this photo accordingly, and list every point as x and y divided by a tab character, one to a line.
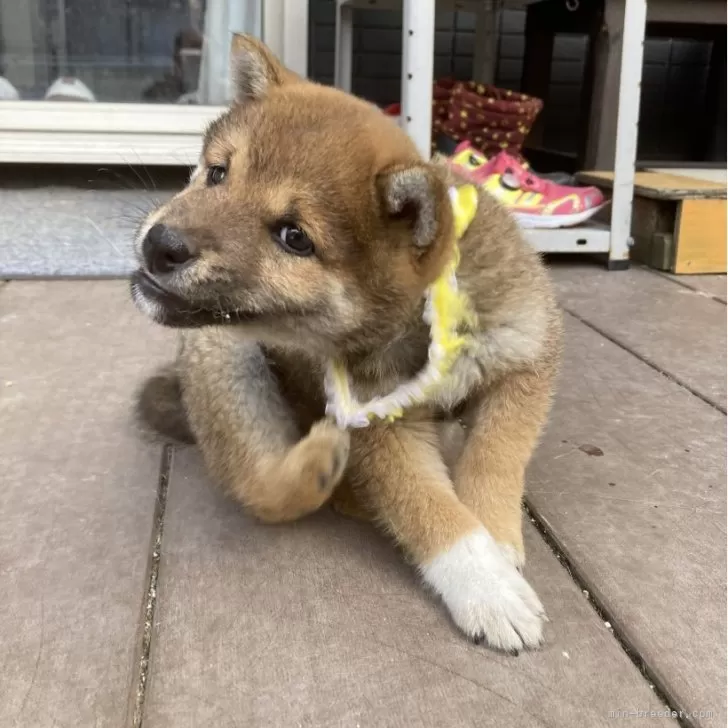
418	195
255	70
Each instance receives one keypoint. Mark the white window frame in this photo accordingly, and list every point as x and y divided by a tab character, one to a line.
74	132
121	133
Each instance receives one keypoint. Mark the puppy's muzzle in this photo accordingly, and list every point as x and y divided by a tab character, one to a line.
166	250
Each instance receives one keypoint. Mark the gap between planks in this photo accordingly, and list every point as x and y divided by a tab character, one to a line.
658	686
686	284
139	684
644	360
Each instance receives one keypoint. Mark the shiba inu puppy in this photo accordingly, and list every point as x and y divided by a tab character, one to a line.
313	232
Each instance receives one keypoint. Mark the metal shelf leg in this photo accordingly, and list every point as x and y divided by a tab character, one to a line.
344	47
418	57
630	83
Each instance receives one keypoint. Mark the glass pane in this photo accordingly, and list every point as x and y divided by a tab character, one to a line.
138	51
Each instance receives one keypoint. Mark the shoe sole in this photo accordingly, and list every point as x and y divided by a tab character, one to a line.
552	222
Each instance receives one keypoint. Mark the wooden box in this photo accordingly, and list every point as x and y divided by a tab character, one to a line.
678	221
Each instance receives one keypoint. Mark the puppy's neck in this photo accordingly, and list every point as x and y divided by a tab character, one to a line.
396	357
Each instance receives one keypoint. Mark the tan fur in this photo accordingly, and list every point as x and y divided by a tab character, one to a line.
381	223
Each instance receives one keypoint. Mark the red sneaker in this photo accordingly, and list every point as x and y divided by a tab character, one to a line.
535	202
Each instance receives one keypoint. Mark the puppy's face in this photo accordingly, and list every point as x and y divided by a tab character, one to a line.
309	220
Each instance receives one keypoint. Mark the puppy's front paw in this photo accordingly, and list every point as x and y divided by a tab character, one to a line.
487	597
323	455
514	556
306	477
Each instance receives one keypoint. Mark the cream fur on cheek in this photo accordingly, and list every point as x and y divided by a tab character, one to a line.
446	310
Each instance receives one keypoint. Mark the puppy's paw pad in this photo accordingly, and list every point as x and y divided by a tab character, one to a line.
487	597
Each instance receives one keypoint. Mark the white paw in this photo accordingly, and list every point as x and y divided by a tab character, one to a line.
512	555
487	597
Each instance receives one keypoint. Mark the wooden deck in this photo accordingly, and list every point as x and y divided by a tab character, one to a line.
132	592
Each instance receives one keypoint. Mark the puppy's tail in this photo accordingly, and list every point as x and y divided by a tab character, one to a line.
159	407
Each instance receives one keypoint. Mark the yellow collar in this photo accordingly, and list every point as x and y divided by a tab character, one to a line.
446	309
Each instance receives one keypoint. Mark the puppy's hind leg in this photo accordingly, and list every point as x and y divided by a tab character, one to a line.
159	406
248	434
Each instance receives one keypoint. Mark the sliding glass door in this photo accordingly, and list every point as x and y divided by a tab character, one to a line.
105	81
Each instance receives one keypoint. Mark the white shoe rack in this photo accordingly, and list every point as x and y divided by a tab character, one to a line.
418	40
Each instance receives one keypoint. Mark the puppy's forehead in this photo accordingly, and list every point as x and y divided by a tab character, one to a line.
310	131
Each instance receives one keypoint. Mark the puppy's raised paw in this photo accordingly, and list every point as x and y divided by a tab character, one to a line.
323	455
487	597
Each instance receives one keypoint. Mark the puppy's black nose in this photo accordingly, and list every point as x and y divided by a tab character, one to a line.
165	250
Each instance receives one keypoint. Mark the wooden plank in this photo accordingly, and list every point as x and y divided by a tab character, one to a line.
661	186
713	286
676	329
602	136
321	623
485	55
701	237
709	175
77	498
631	480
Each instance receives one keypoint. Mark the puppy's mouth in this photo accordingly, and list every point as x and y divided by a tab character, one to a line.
170	309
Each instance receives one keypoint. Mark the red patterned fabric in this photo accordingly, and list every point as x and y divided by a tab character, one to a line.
441	95
490	118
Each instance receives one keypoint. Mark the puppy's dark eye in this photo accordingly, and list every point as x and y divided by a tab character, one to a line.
216	175
292	239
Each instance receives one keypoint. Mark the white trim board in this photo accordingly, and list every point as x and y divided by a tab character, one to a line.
100	133
46	147
589	238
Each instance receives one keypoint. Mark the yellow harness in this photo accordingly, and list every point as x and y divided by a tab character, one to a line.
446	310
